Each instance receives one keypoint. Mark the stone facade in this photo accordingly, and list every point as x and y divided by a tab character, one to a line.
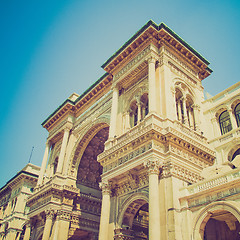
141	154
14	222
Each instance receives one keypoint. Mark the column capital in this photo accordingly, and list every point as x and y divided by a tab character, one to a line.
105	187
50	213
28	223
152	166
151	59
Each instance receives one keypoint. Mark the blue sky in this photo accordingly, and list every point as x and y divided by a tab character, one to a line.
52	48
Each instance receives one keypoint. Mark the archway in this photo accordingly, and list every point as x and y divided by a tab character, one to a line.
134	220
222	225
217	221
89	169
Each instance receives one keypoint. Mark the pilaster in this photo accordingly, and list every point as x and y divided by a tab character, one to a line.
105	211
44	163
154	211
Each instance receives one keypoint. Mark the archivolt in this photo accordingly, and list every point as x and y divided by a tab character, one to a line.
83	141
127	202
203	216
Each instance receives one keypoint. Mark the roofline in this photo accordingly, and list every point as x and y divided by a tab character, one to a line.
78	99
24	172
157	27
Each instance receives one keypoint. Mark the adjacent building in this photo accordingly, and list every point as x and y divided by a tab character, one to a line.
13	198
141	154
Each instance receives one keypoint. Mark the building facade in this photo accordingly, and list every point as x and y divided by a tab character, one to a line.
14	222
141	154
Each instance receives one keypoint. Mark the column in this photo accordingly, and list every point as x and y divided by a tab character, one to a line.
192	123
18	235
127	119
27	231
154	211
56	227
139	111
63	149
71	142
105	211
179	111
11	234
233	119
48	224
184	110
216	127
152	84
113	120
44	163
64	218
196	116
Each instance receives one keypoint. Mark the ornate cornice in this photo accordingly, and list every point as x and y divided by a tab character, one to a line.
159	36
75	108
172	169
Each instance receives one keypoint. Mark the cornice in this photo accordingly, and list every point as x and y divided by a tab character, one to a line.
75	108
158	35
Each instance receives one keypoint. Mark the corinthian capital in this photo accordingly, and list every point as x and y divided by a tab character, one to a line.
151	59
152	166
50	213
105	187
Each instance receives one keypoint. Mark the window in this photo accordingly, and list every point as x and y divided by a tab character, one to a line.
236	154
134	114
237	114
144	105
224	122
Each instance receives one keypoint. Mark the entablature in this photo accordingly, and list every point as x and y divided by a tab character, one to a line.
152	139
158	35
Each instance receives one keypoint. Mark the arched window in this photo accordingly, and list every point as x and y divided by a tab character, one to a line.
134	114
55	165
190	113
237	114
225	122
236	153
179	106
144	105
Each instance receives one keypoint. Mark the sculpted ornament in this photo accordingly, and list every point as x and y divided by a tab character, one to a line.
105	187
50	213
153	166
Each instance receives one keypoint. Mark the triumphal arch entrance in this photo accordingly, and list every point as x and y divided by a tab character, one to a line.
118	156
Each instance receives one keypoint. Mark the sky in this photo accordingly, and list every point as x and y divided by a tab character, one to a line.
52	48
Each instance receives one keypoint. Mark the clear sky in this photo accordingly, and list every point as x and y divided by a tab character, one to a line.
52	48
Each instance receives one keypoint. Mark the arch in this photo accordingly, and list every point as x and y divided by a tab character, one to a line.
232	151
200	221
184	87
225	122
83	140
125	205
89	169
237	114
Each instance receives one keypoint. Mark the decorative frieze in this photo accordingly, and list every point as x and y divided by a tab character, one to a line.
212	197
180	172
84	223
138	184
131	64
182	64
136	153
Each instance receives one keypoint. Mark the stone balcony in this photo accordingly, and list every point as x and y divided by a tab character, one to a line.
219	187
233	135
154	135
